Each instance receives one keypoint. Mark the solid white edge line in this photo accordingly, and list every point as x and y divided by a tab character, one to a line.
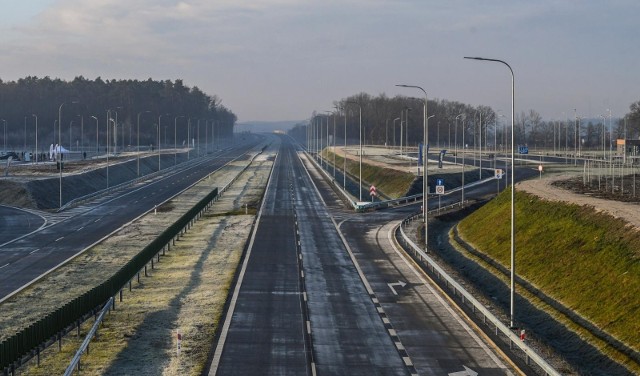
446	306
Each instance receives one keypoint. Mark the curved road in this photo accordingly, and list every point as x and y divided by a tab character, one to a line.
16	222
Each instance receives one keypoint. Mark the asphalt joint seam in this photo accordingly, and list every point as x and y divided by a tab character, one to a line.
304	304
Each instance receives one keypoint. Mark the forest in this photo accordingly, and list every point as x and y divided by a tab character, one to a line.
385	119
85	107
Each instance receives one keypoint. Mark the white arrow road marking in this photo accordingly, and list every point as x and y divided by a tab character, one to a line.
399	284
467	372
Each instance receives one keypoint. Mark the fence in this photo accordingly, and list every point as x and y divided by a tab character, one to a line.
30	340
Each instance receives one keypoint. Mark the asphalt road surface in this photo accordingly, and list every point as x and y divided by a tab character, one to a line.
15	222
436	337
29	257
300	305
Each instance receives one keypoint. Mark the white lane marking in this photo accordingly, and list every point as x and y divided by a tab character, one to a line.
34	251
97	220
446	306
4	265
60	238
80	228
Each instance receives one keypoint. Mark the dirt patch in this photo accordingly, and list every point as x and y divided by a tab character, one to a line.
16	194
566	189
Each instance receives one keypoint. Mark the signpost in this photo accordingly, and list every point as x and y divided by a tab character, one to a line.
439	190
373	192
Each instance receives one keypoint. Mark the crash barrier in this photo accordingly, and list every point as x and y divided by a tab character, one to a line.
75	362
28	342
79	200
469	301
363	206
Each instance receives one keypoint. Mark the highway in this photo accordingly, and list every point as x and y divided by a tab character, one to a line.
436	337
323	290
28	257
300	306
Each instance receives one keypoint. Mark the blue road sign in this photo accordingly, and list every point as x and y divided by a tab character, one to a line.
439	181
523	149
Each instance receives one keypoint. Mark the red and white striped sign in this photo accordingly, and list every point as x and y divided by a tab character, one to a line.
373	191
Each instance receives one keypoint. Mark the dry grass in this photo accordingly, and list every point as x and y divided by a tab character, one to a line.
185	291
586	259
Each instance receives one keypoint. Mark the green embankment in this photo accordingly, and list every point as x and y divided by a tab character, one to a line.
588	260
391	183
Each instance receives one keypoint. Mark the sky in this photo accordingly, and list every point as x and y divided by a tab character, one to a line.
271	60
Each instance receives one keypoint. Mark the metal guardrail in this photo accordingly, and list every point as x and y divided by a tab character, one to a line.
79	200
388	203
14	348
468	299
75	362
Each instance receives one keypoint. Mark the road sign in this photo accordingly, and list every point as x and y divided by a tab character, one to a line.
373	191
498	173
523	149
439	181
439	189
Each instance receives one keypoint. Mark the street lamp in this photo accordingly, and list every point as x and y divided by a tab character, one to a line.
138	136
5	135
36	154
455	139
60	147
344	152
394	131
425	192
159	119
334	141
360	139
97	133
513	187
175	139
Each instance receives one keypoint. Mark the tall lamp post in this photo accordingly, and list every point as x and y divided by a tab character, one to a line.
360	139
60	147
425	168
138	136
394	132
5	134
175	139
455	139
97	133
513	187
36	154
159	125
344	152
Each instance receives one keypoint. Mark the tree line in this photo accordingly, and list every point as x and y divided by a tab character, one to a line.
87	106
385	118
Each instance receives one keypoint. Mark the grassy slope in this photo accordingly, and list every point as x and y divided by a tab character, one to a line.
392	183
586	259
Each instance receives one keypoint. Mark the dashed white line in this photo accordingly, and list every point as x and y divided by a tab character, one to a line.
4	265
59	238
80	228
97	220
34	251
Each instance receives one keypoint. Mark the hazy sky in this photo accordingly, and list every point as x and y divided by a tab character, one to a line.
283	59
